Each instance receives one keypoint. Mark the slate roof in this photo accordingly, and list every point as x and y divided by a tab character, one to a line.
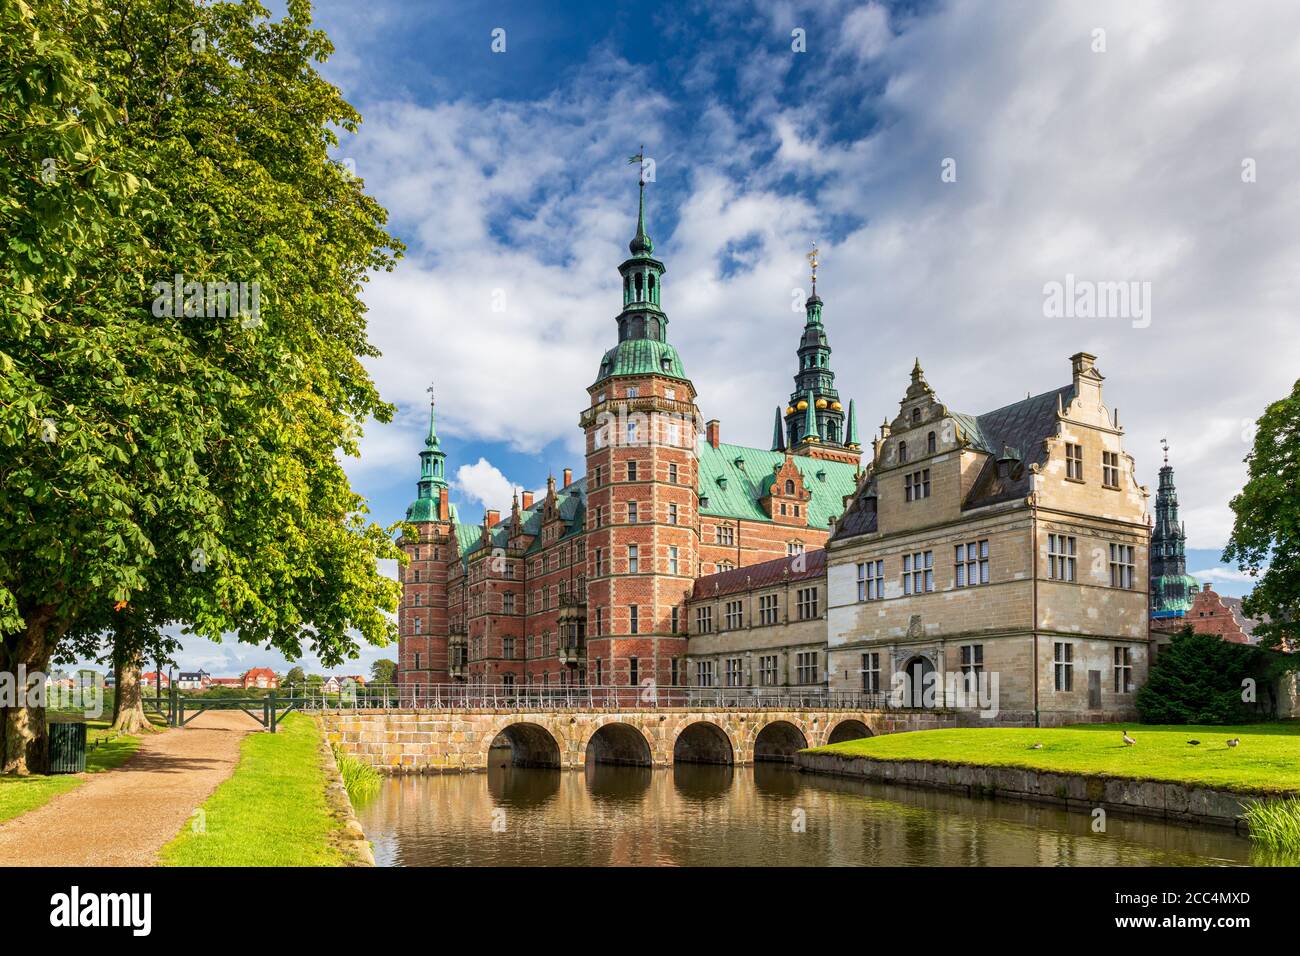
743	484
761	575
572	505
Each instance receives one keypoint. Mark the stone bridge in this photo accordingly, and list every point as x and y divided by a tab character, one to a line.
425	741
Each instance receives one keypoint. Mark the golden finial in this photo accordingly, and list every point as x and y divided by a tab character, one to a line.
812	261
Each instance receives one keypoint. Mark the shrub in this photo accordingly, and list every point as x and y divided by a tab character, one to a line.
1198	679
359	779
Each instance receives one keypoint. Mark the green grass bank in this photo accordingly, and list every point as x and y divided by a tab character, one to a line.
20	794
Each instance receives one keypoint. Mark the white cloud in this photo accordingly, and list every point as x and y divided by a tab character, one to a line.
484	482
1223	574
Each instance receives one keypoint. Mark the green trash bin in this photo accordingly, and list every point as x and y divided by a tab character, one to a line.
67	748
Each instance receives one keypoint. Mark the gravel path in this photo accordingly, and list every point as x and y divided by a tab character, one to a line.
123	817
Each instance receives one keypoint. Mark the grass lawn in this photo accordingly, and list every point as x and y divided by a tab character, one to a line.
20	794
272	810
1268	758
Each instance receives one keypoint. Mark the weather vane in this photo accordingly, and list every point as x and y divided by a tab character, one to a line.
1164	445
639	158
430	391
812	261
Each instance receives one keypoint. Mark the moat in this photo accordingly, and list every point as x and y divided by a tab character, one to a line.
765	815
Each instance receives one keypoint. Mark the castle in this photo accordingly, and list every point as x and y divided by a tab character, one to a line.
1013	541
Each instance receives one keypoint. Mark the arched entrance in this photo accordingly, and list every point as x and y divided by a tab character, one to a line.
619	744
524	745
848	730
703	742
778	741
918	687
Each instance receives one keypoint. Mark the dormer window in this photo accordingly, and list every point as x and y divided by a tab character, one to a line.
902	451
666	364
931	443
789	487
916	416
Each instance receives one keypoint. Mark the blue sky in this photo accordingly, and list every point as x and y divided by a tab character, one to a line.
505	174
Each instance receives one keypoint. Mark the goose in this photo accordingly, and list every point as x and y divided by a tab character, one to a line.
1234	741
1037	746
1128	741
1193	742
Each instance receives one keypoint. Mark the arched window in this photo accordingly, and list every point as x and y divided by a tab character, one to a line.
902	451
789	486
651	279
638	286
930	443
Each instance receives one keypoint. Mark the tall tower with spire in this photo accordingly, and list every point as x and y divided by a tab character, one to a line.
816	424
641	426
422	615
1171	587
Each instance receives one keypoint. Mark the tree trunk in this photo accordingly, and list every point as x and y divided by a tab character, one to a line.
128	710
26	742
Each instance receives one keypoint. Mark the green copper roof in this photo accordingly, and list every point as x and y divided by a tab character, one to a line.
748	481
641	357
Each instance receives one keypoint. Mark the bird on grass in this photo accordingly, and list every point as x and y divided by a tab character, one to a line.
1234	741
1038	746
1193	742
1128	741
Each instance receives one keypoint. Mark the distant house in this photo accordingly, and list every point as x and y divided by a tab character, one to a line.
194	680
227	682
152	678
355	678
331	685
261	677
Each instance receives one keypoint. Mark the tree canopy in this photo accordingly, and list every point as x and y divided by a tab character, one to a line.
178	454
1266	532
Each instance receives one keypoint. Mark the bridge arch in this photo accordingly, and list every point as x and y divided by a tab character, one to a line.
703	742
778	741
619	743
530	745
851	729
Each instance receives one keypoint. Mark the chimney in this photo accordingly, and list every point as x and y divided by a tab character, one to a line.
1087	380
527	501
492	518
444	509
568	477
713	428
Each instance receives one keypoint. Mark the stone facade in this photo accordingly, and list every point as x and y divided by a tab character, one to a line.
439	742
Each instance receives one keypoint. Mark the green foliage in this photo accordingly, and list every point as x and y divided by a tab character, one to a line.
1265	537
104	751
187	465
361	780
1275	823
1198	679
383	671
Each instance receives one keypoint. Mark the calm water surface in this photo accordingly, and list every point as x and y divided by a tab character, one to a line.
692	815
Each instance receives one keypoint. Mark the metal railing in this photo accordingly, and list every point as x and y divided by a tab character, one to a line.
565	697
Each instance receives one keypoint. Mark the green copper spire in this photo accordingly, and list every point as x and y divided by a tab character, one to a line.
433	477
810	419
778	432
815	378
641	244
851	439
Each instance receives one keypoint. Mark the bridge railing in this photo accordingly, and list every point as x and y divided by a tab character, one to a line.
515	697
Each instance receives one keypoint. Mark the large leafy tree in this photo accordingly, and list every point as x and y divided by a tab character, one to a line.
164	460
1266	533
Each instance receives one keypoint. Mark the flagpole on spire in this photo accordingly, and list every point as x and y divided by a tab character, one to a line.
812	261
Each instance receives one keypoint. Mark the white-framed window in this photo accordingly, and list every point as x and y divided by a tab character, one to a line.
726	534
767	670
793	548
972	665
735	672
672	472
631	512
631	471
871	580
806	603
704	673
1061	557
672	560
734	619
972	564
1123	567
1123	670
633	620
670	394
916	485
672	512
1110	469
871	673
1073	461
632	391
806	667
633	559
767	609
918	572
1063	665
